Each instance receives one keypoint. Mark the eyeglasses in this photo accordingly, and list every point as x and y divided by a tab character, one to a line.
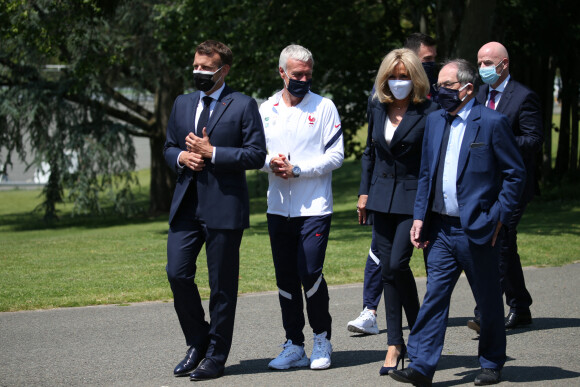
437	86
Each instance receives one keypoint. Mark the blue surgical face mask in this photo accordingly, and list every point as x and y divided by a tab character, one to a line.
298	88
449	98
489	75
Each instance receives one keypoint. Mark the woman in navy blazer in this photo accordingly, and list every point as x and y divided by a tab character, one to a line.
397	111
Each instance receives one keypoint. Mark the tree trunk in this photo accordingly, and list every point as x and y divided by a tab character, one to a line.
162	177
463	26
563	152
546	93
448	13
574	147
574	130
476	28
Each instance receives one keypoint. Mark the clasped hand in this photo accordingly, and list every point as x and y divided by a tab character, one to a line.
281	167
198	149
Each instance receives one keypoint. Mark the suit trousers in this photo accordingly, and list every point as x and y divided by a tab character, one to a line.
450	252
185	239
395	251
299	249
513	283
510	267
373	283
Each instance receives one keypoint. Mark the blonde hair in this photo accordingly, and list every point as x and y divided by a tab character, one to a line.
416	72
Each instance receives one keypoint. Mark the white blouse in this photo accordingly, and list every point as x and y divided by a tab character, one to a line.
389	130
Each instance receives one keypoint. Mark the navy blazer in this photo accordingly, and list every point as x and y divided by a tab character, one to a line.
390	171
522	108
490	172
235	129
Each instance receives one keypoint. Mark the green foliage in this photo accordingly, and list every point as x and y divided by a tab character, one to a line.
348	40
58	117
126	61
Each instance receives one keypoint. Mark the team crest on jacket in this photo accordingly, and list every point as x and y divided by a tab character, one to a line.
311	120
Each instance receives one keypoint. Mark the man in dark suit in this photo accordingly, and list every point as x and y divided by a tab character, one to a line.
470	181
213	136
522	108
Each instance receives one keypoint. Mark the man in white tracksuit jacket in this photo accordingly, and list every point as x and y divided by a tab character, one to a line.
304	142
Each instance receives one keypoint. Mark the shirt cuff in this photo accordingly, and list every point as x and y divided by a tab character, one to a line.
177	162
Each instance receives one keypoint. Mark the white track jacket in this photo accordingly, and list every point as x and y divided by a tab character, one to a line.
310	136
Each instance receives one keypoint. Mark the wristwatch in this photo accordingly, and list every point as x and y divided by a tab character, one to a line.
296	171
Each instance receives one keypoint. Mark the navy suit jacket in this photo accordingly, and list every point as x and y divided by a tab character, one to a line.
490	172
390	171
522	108
235	129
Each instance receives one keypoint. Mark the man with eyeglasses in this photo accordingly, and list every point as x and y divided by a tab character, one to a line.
470	181
522	108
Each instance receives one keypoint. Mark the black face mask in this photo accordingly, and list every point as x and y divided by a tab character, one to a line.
298	88
429	68
204	79
449	98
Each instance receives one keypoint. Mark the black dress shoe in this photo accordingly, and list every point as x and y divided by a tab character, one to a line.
474	324
207	369
487	376
189	362
515	319
411	375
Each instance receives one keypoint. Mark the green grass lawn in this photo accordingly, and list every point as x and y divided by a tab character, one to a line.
110	260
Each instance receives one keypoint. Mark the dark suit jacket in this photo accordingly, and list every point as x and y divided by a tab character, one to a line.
390	172
522	108
235	129
490	172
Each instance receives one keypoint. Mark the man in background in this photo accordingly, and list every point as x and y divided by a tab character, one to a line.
522	107
426	49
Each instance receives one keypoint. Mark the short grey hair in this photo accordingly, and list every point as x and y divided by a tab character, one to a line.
296	52
466	72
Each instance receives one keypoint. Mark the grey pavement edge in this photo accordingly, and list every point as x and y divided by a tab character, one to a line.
139	344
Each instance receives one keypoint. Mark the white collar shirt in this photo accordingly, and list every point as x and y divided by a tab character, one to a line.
215	96
449	185
500	89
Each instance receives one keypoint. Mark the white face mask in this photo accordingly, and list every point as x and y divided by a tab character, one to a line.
400	88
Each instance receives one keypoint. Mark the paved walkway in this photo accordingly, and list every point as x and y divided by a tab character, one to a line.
138	345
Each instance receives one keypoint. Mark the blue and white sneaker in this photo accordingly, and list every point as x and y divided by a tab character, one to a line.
290	357
321	351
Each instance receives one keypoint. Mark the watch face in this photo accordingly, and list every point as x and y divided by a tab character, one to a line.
296	171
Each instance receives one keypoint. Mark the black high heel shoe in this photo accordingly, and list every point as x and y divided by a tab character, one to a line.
400	358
